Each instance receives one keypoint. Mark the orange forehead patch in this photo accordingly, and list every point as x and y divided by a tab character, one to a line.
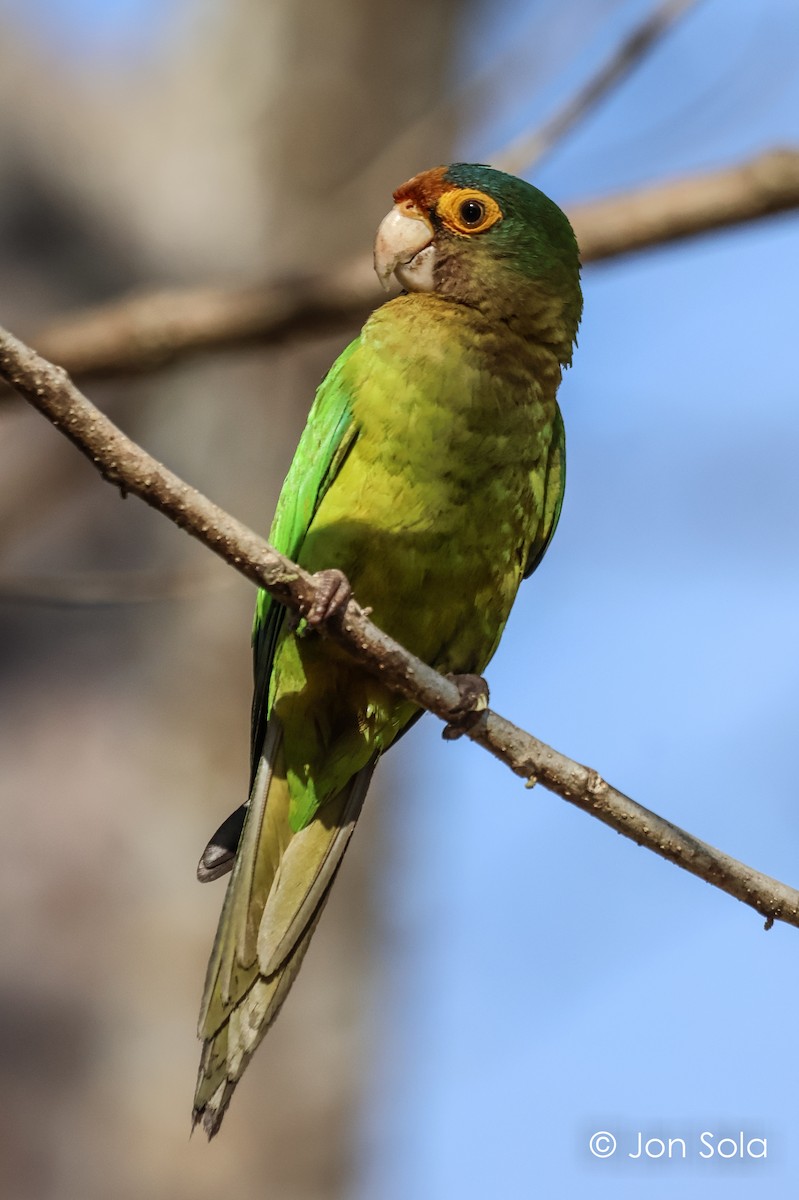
425	189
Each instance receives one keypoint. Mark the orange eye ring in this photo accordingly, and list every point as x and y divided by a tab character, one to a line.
467	211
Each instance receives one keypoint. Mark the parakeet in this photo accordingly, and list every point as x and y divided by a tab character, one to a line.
431	473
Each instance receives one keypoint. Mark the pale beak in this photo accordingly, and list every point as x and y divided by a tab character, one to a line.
404	247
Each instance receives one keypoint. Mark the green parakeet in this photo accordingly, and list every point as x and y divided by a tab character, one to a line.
431	473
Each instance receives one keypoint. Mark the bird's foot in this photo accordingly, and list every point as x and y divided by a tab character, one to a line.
473	702
333	594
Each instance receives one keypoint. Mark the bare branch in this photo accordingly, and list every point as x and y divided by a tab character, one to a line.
130	468
528	150
145	332
142	332
683	208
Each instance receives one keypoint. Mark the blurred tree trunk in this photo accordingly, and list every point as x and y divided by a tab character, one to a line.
125	728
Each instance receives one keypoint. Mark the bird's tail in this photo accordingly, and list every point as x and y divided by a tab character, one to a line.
275	896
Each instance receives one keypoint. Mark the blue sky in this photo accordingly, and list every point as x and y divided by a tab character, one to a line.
88	29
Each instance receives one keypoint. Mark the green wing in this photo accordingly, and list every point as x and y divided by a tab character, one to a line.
554	484
327	439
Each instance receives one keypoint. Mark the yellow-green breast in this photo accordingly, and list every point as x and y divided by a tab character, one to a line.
431	517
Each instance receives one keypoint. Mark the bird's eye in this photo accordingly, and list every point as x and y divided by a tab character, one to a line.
472	213
466	211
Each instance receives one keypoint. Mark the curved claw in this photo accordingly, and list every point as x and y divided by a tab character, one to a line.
473	702
333	594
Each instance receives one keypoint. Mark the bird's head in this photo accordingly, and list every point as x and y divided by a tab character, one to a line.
479	237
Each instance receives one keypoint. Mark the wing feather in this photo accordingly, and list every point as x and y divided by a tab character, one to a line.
554	485
281	879
329	435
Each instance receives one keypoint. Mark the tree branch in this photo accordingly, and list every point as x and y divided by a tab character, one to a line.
128	467
528	150
682	208
141	333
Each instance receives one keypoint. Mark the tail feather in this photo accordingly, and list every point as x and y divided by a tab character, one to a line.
305	873
275	896
226	1054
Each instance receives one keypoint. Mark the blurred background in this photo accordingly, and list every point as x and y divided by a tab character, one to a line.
496	976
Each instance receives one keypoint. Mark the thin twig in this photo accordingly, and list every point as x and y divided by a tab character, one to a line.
131	469
529	59
141	333
527	151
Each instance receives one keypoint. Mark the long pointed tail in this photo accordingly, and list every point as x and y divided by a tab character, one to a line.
273	903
